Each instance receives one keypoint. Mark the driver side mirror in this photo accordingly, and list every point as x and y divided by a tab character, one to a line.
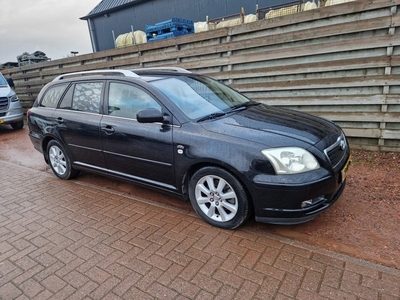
149	115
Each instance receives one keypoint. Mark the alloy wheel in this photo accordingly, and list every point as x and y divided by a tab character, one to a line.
216	198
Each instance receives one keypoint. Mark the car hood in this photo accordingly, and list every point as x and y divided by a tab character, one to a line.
263	124
5	91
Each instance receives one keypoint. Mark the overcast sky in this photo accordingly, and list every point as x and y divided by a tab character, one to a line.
51	26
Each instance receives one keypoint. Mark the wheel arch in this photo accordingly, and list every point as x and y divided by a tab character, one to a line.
195	167
62	158
45	142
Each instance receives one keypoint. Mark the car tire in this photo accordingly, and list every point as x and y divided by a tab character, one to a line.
218	197
59	161
18	125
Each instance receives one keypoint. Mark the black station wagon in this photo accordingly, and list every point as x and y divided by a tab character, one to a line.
193	136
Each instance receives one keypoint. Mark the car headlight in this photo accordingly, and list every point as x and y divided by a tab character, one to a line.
14	98
291	160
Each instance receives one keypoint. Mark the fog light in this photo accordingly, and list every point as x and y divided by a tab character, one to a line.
306	203
314	201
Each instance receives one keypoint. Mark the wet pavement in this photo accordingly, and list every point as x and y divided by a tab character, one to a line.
76	240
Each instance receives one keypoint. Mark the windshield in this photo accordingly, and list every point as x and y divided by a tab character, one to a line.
199	97
3	81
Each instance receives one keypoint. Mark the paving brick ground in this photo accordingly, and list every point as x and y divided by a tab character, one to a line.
70	240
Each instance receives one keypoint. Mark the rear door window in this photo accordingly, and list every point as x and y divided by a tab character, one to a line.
84	97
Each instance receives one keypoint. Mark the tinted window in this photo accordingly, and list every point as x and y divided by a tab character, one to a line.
52	96
126	100
87	96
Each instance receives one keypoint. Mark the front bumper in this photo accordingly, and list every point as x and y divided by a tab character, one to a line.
296	199
301	215
12	115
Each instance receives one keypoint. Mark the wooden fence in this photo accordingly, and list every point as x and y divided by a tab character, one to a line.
341	62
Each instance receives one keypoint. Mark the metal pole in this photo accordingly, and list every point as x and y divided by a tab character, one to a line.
115	45
133	36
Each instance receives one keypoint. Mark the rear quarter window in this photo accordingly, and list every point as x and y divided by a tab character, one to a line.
52	96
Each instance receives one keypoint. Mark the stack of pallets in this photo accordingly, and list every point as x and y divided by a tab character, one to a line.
168	29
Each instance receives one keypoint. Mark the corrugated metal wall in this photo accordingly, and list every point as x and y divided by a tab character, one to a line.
154	11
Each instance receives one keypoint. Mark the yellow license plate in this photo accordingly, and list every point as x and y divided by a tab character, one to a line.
345	169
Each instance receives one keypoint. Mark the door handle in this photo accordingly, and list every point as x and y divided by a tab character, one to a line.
108	129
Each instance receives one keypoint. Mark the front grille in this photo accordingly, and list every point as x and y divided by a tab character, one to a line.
337	153
3	103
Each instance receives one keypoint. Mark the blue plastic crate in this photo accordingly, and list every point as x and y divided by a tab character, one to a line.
158	30
169	26
176	20
172	25
166	36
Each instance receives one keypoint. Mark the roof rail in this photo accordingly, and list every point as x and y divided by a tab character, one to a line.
127	73
176	69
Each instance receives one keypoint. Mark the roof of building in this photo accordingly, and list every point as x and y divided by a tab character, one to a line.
106	6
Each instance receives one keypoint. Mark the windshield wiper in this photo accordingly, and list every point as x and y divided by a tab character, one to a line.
243	106
211	116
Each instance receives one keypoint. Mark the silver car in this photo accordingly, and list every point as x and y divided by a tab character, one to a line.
10	107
